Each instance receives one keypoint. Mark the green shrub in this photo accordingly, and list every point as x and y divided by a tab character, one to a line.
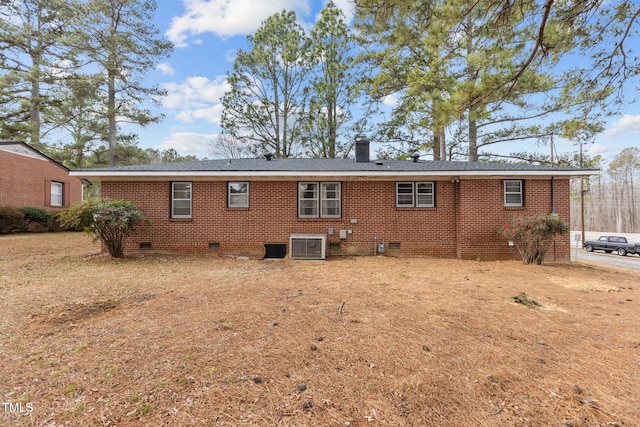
110	221
11	219
37	215
79	217
533	235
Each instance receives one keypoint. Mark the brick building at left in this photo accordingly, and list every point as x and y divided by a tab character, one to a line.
30	178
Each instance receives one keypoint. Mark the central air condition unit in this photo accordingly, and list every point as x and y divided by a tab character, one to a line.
308	246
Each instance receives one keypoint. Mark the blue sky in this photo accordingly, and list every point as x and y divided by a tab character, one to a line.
208	33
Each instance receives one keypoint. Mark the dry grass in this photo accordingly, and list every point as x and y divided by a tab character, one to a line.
198	340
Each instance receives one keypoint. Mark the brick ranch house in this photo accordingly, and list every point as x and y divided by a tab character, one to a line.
276	207
29	178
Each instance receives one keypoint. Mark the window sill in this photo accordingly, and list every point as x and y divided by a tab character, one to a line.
320	219
414	208
181	219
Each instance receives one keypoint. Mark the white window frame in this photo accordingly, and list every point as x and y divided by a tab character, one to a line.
302	189
510	192
57	194
408	198
430	194
415	194
238	199
320	200
175	199
326	201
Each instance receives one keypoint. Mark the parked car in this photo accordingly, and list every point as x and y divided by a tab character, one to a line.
610	244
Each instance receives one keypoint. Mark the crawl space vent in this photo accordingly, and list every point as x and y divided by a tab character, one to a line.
275	250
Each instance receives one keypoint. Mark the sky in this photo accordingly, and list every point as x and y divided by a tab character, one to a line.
208	33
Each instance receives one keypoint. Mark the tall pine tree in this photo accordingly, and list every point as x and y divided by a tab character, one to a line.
118	37
267	103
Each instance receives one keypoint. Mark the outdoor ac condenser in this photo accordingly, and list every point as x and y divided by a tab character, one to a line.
308	246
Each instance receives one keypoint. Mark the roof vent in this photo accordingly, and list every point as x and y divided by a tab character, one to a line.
362	150
415	157
268	156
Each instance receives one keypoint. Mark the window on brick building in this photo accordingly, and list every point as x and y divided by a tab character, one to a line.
238	194
513	192
415	194
181	196
56	194
319	199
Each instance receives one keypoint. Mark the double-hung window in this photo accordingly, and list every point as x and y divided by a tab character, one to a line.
319	199
513	192
415	194
56	193
181	197
238	194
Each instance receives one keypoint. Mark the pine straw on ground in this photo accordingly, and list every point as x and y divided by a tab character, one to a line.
200	340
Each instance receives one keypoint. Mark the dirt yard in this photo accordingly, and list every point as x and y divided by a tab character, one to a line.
364	341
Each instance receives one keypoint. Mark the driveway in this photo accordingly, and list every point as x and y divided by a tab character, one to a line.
580	255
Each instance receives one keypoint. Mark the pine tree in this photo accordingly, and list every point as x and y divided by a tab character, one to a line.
119	38
267	102
34	56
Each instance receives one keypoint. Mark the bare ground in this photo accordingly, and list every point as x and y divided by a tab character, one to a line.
200	340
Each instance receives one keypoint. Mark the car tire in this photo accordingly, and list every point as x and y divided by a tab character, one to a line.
588	248
622	252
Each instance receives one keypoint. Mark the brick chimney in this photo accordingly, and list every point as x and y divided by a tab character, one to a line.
362	150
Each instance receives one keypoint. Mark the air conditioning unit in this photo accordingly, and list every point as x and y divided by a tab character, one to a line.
308	246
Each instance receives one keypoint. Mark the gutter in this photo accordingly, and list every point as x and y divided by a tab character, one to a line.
380	175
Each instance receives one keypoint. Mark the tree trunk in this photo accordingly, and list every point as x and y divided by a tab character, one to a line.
34	114
473	136
443	144
436	146
111	118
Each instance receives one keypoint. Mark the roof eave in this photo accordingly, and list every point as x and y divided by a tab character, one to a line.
372	175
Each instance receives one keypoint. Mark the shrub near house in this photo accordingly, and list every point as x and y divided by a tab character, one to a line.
11	219
21	219
533	235
110	221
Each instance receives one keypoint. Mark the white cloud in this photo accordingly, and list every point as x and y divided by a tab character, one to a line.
196	98
627	124
597	148
188	142
194	92
226	18
390	100
210	114
165	68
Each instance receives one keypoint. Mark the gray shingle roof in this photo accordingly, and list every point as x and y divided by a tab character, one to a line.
275	166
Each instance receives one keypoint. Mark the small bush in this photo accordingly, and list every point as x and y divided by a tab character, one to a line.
79	217
110	221
37	215
523	299
11	219
533	235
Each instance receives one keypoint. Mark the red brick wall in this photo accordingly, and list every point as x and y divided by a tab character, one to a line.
26	181
482	213
368	210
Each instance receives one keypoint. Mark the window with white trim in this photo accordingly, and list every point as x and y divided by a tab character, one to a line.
56	193
181	196
319	199
415	194
513	192
238	194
